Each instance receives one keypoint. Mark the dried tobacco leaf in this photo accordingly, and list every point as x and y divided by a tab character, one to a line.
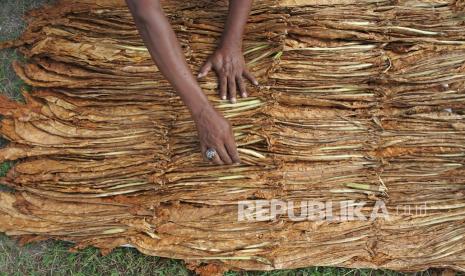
361	101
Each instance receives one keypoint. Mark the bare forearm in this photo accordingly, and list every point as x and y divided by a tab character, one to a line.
166	52
228	60
235	24
214	131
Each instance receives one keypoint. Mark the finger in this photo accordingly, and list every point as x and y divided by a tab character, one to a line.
232	151
205	69
224	155
241	85
223	86
217	160
250	77
232	89
203	150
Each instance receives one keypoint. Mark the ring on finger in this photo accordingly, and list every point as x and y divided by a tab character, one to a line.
210	154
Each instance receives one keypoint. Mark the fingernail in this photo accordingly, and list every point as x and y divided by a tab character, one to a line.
223	97
255	82
244	95
199	75
233	100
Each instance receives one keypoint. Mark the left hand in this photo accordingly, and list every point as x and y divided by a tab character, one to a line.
229	65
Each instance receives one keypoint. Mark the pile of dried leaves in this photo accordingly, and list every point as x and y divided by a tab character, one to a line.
362	100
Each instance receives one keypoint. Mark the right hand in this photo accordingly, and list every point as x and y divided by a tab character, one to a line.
215	132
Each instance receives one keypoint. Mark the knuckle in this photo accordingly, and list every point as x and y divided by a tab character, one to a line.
217	142
229	66
226	132
216	59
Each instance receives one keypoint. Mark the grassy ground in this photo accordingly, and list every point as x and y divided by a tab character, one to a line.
11	26
53	257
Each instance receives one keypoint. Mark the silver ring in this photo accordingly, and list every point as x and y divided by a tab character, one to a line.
210	154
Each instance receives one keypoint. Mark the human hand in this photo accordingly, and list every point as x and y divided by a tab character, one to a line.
230	67
215	133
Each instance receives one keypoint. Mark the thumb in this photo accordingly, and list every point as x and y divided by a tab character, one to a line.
205	69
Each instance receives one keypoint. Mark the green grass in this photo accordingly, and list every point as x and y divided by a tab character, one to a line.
53	257
47	258
11	16
10	84
4	168
11	26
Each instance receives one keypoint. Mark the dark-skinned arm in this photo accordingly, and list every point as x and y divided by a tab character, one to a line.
228	60
213	129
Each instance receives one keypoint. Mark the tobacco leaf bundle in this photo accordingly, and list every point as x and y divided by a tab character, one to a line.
360	101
